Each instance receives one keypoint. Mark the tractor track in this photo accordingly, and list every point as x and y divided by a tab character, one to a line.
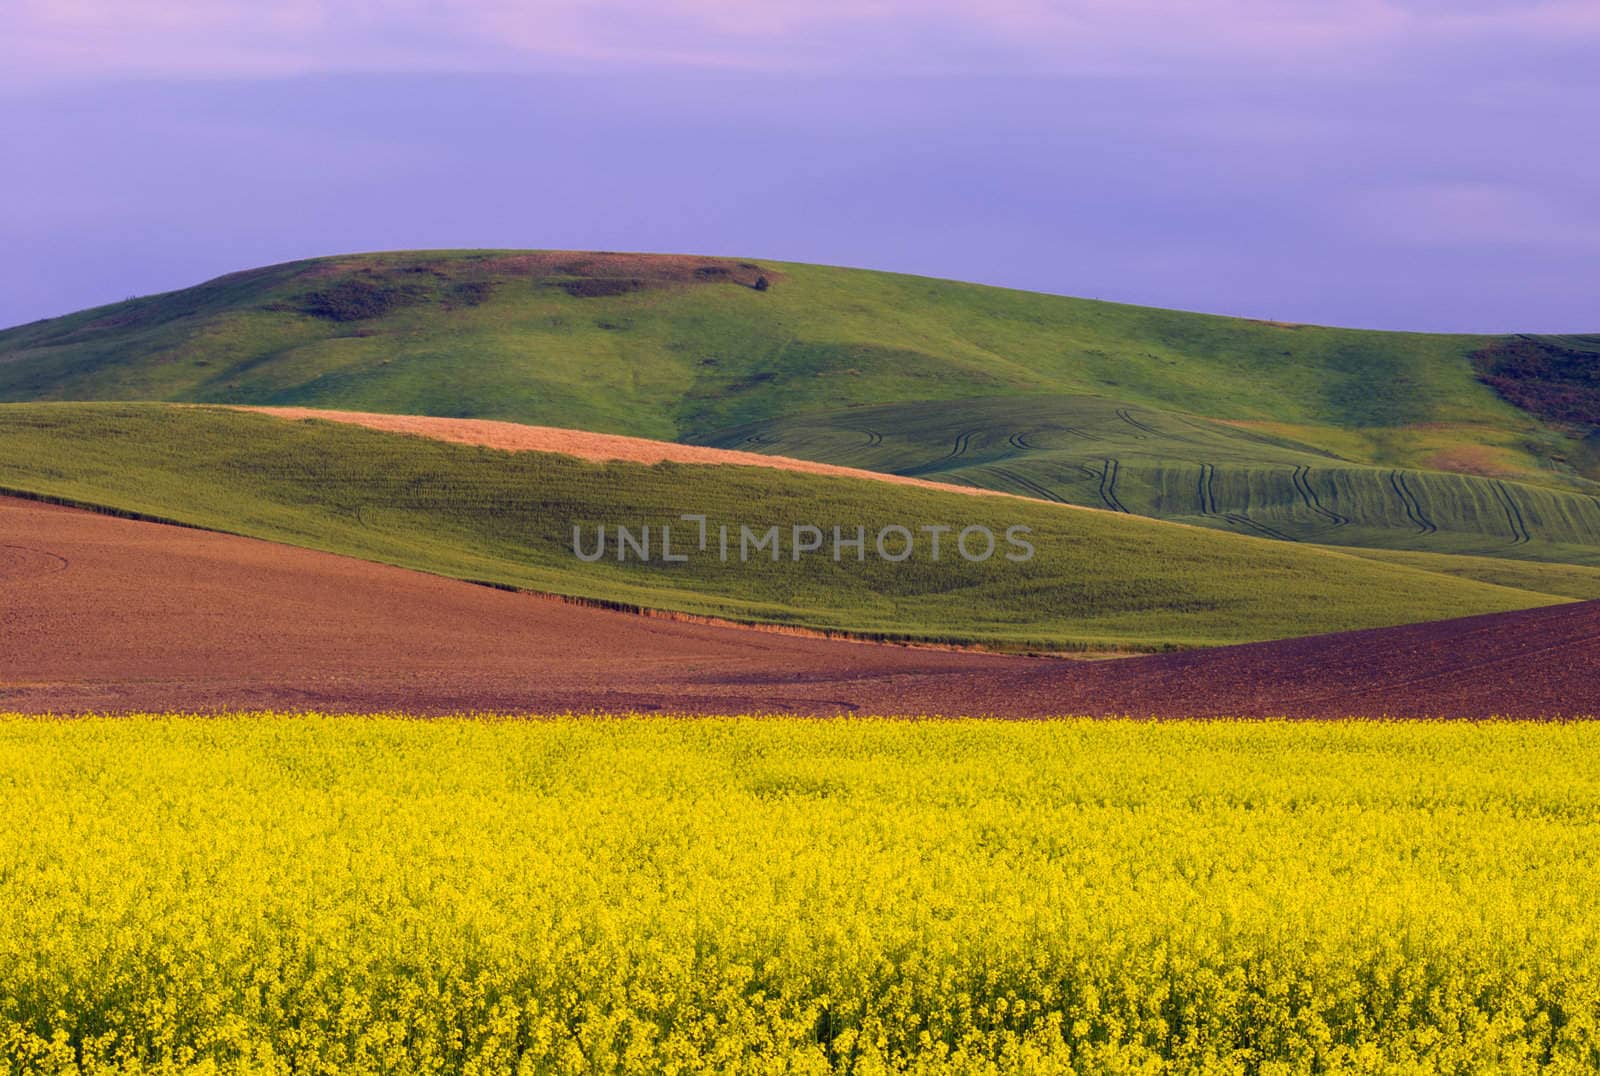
1302	484
1124	415
1108	487
1519	526
1028	484
26	561
1412	506
963	442
1208	493
1260	528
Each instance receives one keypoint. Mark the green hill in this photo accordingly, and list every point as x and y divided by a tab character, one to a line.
1479	445
1098	579
684	347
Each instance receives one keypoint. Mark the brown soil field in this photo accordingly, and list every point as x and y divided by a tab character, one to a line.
645	270
598	447
99	614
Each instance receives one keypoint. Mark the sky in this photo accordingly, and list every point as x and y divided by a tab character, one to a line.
1399	164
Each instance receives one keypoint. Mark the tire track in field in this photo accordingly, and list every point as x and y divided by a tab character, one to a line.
874	438
1208	493
1519	527
1260	528
1412	506
959	449
1108	486
963	442
24	562
1126	416
1018	440
1308	495
1028	484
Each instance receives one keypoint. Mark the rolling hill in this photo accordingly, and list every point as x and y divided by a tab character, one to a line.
1099	579
685	348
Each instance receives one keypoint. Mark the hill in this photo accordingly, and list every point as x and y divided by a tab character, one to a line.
685	348
1098	579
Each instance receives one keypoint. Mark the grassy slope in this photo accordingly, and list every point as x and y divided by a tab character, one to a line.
683	356
1567	580
1099	579
1095	451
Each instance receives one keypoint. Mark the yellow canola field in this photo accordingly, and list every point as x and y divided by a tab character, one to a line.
321	894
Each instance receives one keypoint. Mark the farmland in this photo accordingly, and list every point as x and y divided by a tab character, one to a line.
1094	451
1098	579
286	886
109	615
1456	445
312	894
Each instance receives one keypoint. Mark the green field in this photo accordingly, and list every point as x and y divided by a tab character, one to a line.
1571	580
264	894
1098	579
1095	451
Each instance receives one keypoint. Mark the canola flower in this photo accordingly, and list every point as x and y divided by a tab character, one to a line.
314	894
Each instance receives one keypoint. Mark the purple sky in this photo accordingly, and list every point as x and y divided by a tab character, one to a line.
1420	164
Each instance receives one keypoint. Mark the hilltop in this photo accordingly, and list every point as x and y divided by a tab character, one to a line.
684	348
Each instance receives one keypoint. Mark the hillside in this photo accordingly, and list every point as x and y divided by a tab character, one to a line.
1098	579
1239	477
685	348
1540	577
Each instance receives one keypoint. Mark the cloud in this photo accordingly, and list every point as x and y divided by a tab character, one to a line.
52	41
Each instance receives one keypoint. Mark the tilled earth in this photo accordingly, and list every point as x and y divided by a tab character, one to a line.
99	614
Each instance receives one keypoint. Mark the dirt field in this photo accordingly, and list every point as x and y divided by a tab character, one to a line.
104	614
